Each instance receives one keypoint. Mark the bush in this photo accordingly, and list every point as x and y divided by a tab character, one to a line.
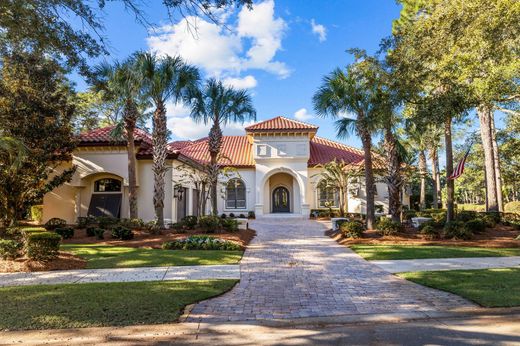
9	249
190	221
490	218
251	215
84	222
512	207
466	215
201	242
97	232
54	223
351	229
107	222
475	226
152	227
37	213
456	230
408	214
65	232
178	227
20	232
210	223
123	233
230	225
430	232
242	216
43	246
132	223
231	214
223	216
386	226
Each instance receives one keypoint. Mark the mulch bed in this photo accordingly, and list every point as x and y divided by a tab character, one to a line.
498	237
64	261
145	239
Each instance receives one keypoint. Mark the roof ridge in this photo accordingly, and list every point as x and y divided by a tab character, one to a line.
333	141
308	125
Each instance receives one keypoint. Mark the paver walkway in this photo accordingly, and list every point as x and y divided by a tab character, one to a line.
121	275
434	264
291	270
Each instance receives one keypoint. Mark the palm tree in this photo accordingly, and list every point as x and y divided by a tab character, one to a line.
12	152
164	79
356	91
121	83
220	105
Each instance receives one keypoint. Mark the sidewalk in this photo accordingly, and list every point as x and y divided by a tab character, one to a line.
437	264
121	275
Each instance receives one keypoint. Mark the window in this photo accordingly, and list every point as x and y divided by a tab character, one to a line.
235	194
107	185
326	195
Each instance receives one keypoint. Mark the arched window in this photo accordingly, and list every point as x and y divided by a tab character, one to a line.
327	194
235	194
107	185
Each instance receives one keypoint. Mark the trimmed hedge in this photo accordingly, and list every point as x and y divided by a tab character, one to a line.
189	221
351	229
54	223
122	233
65	232
43	246
9	249
201	242
230	225
386	226
210	224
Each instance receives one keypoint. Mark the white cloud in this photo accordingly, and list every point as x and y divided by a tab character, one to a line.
248	82
319	29
302	114
219	50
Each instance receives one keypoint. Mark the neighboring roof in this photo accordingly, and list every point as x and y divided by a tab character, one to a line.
236	151
281	124
324	150
178	145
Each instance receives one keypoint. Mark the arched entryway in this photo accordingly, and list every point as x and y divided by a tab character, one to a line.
281	200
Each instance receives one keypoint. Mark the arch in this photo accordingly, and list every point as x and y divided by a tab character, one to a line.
289	171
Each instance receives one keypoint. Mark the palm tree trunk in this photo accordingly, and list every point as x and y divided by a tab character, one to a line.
214	145
496	156
422	173
484	114
433	159
159	142
450	186
393	179
366	140
130	120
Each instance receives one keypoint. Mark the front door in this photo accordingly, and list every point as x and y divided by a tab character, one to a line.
182	205
281	200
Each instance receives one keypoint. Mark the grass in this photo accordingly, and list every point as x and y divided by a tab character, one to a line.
397	252
102	304
488	287
105	256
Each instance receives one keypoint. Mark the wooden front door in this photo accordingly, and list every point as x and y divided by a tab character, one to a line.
281	202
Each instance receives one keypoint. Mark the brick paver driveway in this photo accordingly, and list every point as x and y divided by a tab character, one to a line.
291	270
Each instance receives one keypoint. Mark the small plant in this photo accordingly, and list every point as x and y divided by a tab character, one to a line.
251	215
475	226
190	221
152	227
97	232
43	246
491	218
430	232
201	242
386	226
107	222
123	233
54	223
408	214
230	225
65	232
456	230
84	222
242	216
231	214
132	223
466	215
9	249
210	224
223	216
351	229
37	213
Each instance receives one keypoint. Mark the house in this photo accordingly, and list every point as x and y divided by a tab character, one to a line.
274	168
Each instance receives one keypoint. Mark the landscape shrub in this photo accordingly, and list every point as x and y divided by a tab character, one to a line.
123	233
178	227
351	229
132	223
230	225
190	221
223	216
37	213
251	215
201	242
386	226
430	232
439	218
512	207
408	214
107	222
9	249
466	215
65	232
456	230
97	232
491	219
210	223
54	223
85	221
42	246
20	232
475	226
242	216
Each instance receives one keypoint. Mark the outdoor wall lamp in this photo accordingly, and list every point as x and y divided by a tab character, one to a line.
178	191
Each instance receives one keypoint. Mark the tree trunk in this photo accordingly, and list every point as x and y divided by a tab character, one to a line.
130	119
422	173
496	157
214	145
159	142
484	114
434	157
394	180
450	186
366	140
438	179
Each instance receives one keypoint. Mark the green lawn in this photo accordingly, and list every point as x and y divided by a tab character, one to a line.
397	252
102	304
104	256
488	287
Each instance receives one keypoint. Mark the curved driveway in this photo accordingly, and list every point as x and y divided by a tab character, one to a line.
291	270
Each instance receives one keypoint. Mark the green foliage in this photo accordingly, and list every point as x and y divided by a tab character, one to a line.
512	207
54	223
475	226
223	216
132	223
201	242
153	227
190	221
409	214
122	233
352	229
65	232
37	213
386	226
430	232
84	222
466	215
97	232
457	230
490	218
107	222
229	225
9	249
209	223
42	246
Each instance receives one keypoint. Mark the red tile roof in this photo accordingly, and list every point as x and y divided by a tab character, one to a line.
236	151
281	124
324	150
